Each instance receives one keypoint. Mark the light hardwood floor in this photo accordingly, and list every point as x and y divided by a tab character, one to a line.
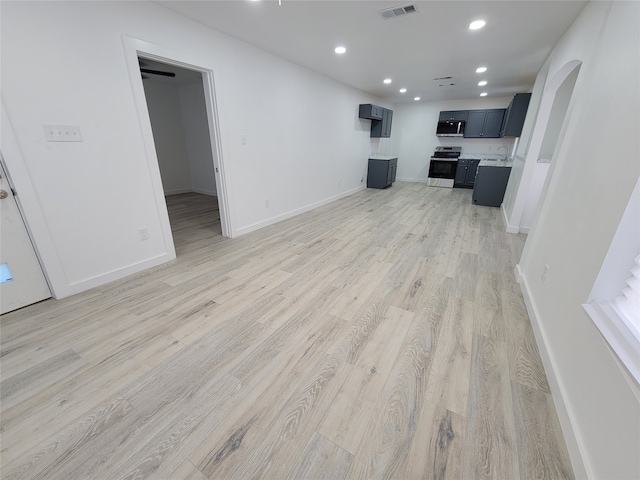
380	336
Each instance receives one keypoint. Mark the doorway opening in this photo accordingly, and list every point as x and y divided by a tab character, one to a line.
176	104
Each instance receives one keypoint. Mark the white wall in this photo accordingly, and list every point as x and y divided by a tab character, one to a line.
85	202
558	115
414	138
625	245
513	195
594	173
196	133
181	136
168	135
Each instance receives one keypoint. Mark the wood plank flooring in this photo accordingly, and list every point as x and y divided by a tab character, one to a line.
380	336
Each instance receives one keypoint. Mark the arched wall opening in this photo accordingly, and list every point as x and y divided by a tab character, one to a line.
520	211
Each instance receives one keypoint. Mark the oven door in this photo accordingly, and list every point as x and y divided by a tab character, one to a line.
442	172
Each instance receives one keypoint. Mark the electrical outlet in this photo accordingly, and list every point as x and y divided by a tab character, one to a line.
62	133
143	233
243	139
266	204
545	270
339	183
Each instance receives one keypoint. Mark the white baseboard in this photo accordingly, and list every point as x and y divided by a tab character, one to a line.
180	191
509	228
211	193
293	213
177	191
414	180
116	274
566	416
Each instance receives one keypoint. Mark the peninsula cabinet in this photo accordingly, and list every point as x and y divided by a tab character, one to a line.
484	123
381	172
491	185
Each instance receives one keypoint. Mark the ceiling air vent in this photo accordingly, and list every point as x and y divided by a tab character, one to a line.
397	11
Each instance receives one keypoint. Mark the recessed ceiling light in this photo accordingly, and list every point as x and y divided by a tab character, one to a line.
340	50
477	24
483	94
416	98
403	90
387	80
481	69
482	83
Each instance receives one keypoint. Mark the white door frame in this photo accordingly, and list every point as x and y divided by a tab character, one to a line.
135	48
34	286
29	206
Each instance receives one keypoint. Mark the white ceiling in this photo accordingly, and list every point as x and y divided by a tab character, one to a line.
412	49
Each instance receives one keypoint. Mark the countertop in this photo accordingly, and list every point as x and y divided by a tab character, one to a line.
382	157
488	159
487	162
482	156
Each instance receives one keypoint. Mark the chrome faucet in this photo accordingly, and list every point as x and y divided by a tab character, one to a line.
506	152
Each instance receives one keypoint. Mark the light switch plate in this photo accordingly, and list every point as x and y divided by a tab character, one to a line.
62	133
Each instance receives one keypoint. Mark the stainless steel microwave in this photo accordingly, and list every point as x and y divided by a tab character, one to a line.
450	129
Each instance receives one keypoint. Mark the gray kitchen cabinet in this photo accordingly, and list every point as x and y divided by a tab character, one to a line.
381	172
491	183
466	172
453	116
484	123
382	128
371	112
515	115
380	117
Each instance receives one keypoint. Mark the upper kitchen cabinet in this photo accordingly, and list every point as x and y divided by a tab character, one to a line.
515	115
380	117
371	112
484	123
454	116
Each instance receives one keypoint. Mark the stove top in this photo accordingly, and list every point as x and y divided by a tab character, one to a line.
447	153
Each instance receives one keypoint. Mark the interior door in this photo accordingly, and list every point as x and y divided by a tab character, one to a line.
22	281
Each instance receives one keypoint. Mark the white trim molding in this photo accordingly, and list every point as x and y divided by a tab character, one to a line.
621	339
566	416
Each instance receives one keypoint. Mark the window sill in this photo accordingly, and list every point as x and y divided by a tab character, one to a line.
620	339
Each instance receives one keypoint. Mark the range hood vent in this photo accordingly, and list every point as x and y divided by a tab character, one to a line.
388	13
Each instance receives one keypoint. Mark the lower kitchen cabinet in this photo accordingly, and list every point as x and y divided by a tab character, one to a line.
466	172
491	183
381	172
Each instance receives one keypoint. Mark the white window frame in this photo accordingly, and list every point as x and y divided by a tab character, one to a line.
620	328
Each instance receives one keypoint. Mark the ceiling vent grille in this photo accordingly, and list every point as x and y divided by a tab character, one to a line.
397	11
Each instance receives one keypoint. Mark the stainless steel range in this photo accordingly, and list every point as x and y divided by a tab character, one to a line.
442	166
